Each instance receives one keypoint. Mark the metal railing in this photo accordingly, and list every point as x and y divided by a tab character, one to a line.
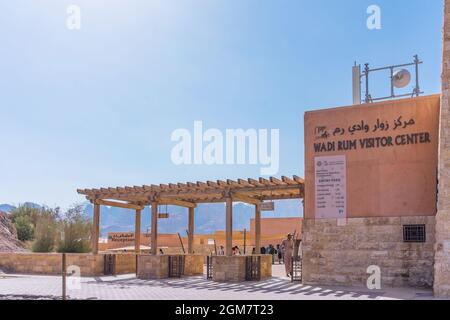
252	268
176	266
209	267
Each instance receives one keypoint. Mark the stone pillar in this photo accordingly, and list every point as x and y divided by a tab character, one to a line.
442	248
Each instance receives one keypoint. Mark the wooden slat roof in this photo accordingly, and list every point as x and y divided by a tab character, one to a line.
203	192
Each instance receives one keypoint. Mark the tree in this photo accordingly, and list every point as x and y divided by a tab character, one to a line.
75	231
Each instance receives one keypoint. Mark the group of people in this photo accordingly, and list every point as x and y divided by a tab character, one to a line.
282	252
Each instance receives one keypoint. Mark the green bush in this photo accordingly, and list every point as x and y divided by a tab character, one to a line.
45	233
25	230
75	232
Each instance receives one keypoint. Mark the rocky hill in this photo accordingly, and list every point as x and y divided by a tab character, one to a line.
8	235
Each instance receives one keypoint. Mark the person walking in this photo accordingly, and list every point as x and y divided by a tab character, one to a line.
271	251
221	251
287	245
279	254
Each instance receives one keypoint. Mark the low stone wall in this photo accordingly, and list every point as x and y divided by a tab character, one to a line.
126	263
193	265
229	269
233	269
266	267
338	252
90	265
153	266
51	263
157	267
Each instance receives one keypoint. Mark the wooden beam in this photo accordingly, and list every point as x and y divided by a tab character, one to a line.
95	228
119	204
245	198
257	229
191	231
137	232
177	202
229	227
154	232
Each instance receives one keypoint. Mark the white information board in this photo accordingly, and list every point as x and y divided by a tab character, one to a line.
331	187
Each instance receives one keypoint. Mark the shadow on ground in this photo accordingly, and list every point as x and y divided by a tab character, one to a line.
272	286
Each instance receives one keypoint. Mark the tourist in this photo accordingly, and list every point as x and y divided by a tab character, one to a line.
279	254
161	251
263	250
221	251
271	251
287	247
253	251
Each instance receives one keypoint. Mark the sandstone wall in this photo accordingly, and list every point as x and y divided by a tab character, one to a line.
442	265
51	263
193	265
125	263
153	267
233	269
338	252
229	269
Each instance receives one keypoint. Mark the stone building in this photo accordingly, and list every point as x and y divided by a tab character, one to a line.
377	198
370	196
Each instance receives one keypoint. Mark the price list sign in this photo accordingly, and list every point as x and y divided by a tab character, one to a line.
331	187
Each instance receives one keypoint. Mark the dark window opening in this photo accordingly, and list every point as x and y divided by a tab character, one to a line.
414	233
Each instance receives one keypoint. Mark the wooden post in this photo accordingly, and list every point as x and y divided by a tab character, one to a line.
154	235
191	231
96	228
64	275
137	232
229	227
181	242
257	229
245	241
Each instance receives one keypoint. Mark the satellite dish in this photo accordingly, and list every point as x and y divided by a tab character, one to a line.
401	78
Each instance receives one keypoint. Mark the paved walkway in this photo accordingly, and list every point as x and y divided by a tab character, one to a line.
192	288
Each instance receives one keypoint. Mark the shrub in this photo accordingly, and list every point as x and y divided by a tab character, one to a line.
45	233
76	232
25	230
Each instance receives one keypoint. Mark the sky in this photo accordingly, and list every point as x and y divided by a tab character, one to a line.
97	106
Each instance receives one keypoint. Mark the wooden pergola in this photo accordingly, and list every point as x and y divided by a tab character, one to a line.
188	195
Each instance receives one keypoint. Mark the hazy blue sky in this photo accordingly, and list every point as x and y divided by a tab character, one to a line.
96	107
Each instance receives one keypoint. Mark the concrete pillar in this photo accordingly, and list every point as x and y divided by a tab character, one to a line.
154	232
229	227
191	231
442	248
257	229
137	232
95	228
